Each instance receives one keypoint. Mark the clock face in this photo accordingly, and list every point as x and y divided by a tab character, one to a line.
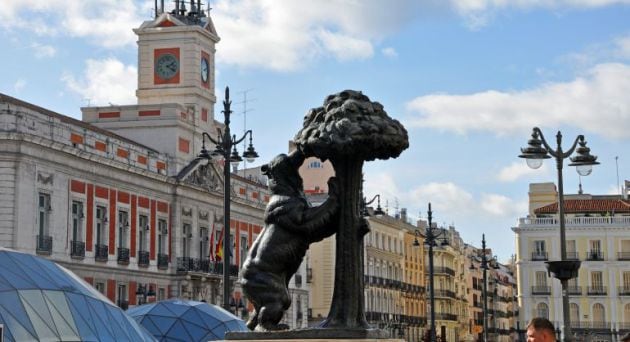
166	66
205	69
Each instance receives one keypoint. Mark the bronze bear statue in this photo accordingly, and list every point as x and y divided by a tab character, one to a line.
291	225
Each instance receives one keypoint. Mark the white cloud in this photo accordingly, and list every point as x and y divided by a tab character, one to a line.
502	206
19	85
105	81
479	13
345	47
517	170
107	23
596	102
623	47
389	52
287	34
43	51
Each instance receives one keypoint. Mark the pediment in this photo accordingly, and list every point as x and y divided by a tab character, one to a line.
200	174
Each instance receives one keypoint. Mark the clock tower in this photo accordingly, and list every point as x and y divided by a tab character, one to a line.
175	85
176	58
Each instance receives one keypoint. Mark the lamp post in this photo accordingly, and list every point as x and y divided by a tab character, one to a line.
143	294
225	143
378	211
432	235
536	151
484	266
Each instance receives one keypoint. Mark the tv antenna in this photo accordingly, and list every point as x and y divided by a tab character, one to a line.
245	102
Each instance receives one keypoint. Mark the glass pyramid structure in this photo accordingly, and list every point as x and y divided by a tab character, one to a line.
42	301
186	321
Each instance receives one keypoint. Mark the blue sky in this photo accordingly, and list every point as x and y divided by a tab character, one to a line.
468	78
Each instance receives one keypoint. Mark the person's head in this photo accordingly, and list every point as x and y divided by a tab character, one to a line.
540	330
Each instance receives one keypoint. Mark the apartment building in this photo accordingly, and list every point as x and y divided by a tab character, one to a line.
597	234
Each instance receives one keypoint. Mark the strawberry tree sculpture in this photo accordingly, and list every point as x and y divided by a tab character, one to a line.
348	130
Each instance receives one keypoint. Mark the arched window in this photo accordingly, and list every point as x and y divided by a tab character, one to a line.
542	310
599	315
575	312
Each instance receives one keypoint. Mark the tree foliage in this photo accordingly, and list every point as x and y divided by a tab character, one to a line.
349	125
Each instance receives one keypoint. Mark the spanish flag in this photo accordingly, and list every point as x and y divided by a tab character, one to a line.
218	256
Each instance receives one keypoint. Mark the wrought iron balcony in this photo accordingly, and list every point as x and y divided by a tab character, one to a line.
77	249
573	256
445	317
590	325
101	252
44	244
188	264
623	256
143	258
595	256
575	290
444	293
539	256
624	290
541	290
123	256
444	270
596	290
162	261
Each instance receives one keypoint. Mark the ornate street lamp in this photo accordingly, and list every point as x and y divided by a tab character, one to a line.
226	150
536	151
432	236
378	211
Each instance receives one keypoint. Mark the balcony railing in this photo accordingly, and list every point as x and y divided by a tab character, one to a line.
623	256
100	252
573	256
444	270
77	249
445	317
188	264
541	290
123	256
590	325
444	293
162	261
44	244
596	290
594	256
575	290
624	290
539	256
622	221
143	258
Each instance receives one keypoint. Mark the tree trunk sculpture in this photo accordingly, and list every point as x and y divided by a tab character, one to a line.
348	130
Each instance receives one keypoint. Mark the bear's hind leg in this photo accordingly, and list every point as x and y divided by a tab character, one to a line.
269	317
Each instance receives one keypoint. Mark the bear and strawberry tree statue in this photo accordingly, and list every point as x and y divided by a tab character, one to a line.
348	130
